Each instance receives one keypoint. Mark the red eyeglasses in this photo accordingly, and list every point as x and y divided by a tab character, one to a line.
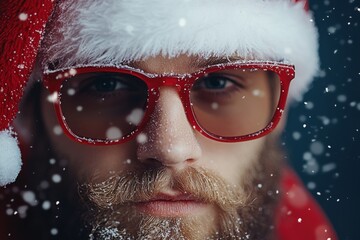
229	102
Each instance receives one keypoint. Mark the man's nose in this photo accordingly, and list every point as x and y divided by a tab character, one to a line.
170	137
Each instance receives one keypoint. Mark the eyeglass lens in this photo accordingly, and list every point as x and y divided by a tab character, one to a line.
235	102
226	103
103	106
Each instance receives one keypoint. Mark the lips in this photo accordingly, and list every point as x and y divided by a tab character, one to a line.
167	205
175	197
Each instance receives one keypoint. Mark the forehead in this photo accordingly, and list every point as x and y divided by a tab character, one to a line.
183	63
179	64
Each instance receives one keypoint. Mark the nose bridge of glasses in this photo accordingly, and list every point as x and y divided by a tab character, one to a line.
169	81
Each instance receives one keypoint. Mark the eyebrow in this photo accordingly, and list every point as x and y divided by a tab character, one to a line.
198	63
205	62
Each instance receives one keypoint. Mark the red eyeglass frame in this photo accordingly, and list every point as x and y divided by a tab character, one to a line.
183	82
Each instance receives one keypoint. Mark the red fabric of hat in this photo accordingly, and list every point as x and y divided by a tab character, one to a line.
21	29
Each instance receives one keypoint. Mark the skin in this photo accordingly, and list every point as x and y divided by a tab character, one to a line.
174	148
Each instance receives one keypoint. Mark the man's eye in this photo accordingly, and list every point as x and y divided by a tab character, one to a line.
108	85
215	83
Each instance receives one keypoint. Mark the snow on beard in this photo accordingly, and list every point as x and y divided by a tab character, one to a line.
239	214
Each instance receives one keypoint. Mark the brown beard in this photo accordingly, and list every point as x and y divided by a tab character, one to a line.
244	212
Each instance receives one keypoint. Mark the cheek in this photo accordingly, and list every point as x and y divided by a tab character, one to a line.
232	161
85	160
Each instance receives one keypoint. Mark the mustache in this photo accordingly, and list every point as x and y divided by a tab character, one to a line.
132	187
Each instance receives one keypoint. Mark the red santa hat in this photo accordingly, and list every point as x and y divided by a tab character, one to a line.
114	31
21	28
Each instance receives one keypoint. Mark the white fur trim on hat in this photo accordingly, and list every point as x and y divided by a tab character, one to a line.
114	31
10	158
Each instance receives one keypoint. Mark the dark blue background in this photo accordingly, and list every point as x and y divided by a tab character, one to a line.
323	131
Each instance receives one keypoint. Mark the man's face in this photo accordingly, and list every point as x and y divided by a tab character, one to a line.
170	179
